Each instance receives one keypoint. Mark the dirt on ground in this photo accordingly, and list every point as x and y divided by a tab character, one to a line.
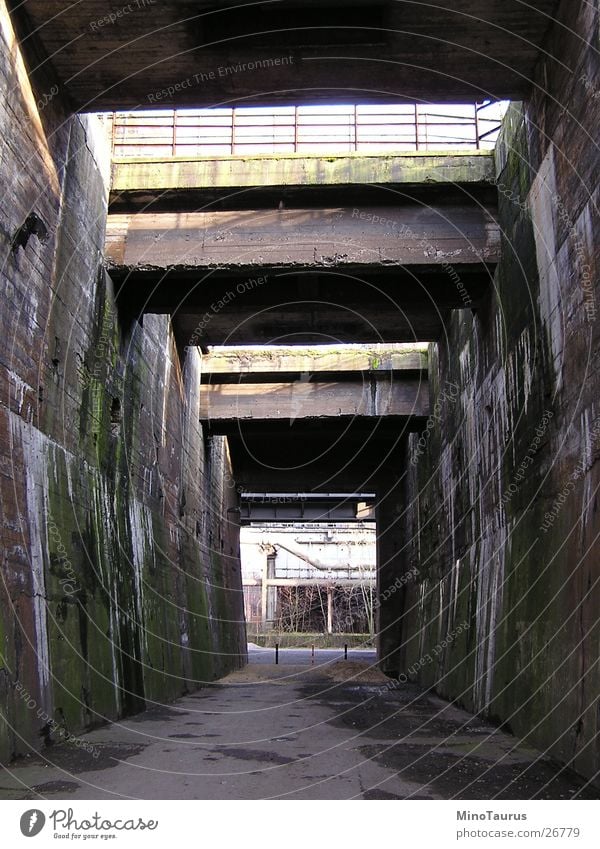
355	672
341	672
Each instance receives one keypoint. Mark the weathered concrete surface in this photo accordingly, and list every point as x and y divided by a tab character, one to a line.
379	262
321	455
293	732
292	170
404	235
502	497
120	578
242	385
358	358
282	316
396	571
456	51
369	397
313	276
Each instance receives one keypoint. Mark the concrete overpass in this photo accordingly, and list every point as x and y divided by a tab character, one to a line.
243	387
172	54
306	507
321	420
306	249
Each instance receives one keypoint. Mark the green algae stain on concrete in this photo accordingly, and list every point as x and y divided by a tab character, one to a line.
453	167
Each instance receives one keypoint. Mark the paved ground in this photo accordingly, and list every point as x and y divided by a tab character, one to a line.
337	731
304	657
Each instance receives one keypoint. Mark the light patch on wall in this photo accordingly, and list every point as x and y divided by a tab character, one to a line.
29	101
542	200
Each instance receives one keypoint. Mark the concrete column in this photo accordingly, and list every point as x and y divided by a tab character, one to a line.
263	595
271	591
268	596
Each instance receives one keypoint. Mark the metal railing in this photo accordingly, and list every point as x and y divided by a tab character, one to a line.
303	129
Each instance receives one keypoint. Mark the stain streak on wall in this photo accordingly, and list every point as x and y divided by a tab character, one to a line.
120	566
501	512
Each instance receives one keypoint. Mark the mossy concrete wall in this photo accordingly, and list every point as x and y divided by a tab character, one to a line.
501	491
120	576
414	168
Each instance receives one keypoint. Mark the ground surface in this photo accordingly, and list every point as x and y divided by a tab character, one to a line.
333	730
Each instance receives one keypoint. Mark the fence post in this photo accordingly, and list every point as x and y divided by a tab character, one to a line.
416	126
295	129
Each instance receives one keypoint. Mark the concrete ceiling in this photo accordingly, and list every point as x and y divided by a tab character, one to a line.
335	456
122	55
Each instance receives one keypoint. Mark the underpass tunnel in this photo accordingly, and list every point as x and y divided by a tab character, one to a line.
317	436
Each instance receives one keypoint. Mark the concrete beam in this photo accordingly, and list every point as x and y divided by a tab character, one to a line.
307	321
351	358
408	235
289	514
170	53
308	398
295	170
310	582
317	455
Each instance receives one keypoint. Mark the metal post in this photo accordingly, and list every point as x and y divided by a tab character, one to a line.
312	657
295	129
113	133
345	651
276	653
416	126
477	139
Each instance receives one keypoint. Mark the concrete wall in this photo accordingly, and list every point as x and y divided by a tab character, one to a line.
120	577
501	495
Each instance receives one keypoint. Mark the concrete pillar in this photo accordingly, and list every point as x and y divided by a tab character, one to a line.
268	596
391	569
271	591
263	595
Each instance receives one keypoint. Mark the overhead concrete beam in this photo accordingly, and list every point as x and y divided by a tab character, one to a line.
407	235
236	362
305	398
310	582
306	321
314	464
173	53
331	454
294	170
